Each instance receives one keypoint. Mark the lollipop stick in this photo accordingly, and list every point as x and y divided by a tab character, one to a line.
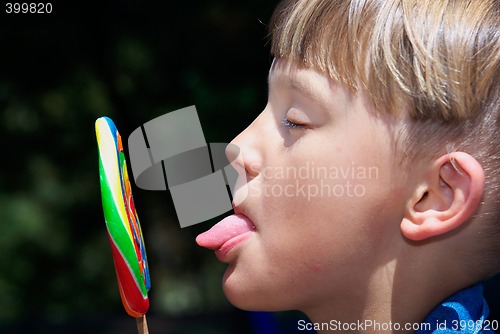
142	325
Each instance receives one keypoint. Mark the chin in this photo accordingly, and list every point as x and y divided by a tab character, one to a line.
251	303
244	294
237	290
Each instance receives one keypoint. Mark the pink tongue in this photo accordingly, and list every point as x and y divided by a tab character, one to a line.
225	230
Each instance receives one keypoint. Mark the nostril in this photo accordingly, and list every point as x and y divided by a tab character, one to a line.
244	165
253	169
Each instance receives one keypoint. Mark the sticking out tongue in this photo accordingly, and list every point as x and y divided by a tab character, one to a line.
225	230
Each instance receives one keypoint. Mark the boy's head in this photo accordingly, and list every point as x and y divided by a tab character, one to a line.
434	64
374	164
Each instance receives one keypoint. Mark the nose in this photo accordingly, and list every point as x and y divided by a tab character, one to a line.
244	153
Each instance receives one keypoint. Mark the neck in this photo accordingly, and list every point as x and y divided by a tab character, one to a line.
394	301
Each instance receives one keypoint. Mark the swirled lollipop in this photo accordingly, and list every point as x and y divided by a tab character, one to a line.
122	222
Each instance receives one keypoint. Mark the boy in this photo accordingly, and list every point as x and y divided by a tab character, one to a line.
369	191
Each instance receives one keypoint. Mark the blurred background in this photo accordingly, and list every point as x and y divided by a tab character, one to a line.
131	61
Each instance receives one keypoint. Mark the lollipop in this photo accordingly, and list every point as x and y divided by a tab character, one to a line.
122	222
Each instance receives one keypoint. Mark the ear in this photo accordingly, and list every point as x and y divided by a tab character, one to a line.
447	197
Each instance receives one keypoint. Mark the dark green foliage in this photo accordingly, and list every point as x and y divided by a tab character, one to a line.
132	61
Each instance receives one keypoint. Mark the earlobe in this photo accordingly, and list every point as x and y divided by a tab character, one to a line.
447	197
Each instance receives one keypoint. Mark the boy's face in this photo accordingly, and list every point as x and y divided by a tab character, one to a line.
322	191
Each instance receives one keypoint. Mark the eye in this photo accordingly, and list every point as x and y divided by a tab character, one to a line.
291	125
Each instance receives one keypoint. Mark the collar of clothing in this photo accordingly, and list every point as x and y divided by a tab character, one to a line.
465	312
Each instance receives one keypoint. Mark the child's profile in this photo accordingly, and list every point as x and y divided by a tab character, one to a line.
372	176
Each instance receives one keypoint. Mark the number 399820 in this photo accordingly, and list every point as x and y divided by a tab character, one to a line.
28	8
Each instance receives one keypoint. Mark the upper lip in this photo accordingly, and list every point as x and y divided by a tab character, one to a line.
239	210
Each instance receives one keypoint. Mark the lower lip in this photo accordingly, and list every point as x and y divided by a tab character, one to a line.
223	252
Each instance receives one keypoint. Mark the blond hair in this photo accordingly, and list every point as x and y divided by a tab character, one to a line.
435	63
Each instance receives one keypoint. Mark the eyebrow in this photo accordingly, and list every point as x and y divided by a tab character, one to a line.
292	83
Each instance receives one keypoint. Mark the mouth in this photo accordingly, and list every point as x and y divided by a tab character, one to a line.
227	234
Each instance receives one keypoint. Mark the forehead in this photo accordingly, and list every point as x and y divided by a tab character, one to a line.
300	79
283	70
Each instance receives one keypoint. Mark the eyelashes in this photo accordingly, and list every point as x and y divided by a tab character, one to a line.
291	125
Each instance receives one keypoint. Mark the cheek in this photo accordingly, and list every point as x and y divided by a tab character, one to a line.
309	232
325	216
